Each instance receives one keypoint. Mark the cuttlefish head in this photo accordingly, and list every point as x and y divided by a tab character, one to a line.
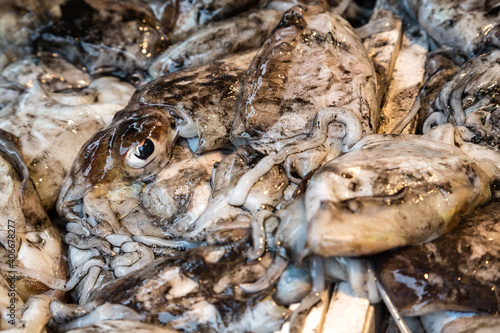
132	150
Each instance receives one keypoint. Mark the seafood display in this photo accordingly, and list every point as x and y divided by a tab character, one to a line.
249	166
288	103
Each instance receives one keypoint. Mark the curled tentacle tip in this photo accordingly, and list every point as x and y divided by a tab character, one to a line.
271	275
254	254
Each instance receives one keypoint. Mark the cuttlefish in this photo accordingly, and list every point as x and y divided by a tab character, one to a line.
33	267
197	104
309	93
458	271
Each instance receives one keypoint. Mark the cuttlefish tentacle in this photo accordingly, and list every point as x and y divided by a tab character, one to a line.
99	216
258	234
318	276
469	97
317	136
133	149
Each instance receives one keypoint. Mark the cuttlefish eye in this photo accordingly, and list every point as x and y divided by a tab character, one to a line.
138	156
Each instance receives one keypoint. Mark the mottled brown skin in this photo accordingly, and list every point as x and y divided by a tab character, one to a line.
101	164
312	60
186	16
458	271
147	291
206	93
468	27
241	33
273	83
107	39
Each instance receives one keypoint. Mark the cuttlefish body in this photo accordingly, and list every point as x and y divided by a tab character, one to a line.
389	192
136	146
312	60
458	271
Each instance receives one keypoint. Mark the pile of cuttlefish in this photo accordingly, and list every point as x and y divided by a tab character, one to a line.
222	165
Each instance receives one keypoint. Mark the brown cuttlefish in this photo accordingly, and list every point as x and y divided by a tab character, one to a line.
131	150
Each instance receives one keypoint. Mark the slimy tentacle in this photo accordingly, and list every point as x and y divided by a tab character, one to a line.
271	275
145	256
258	234
88	243
317	137
83	270
434	119
89	283
318	277
158	241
